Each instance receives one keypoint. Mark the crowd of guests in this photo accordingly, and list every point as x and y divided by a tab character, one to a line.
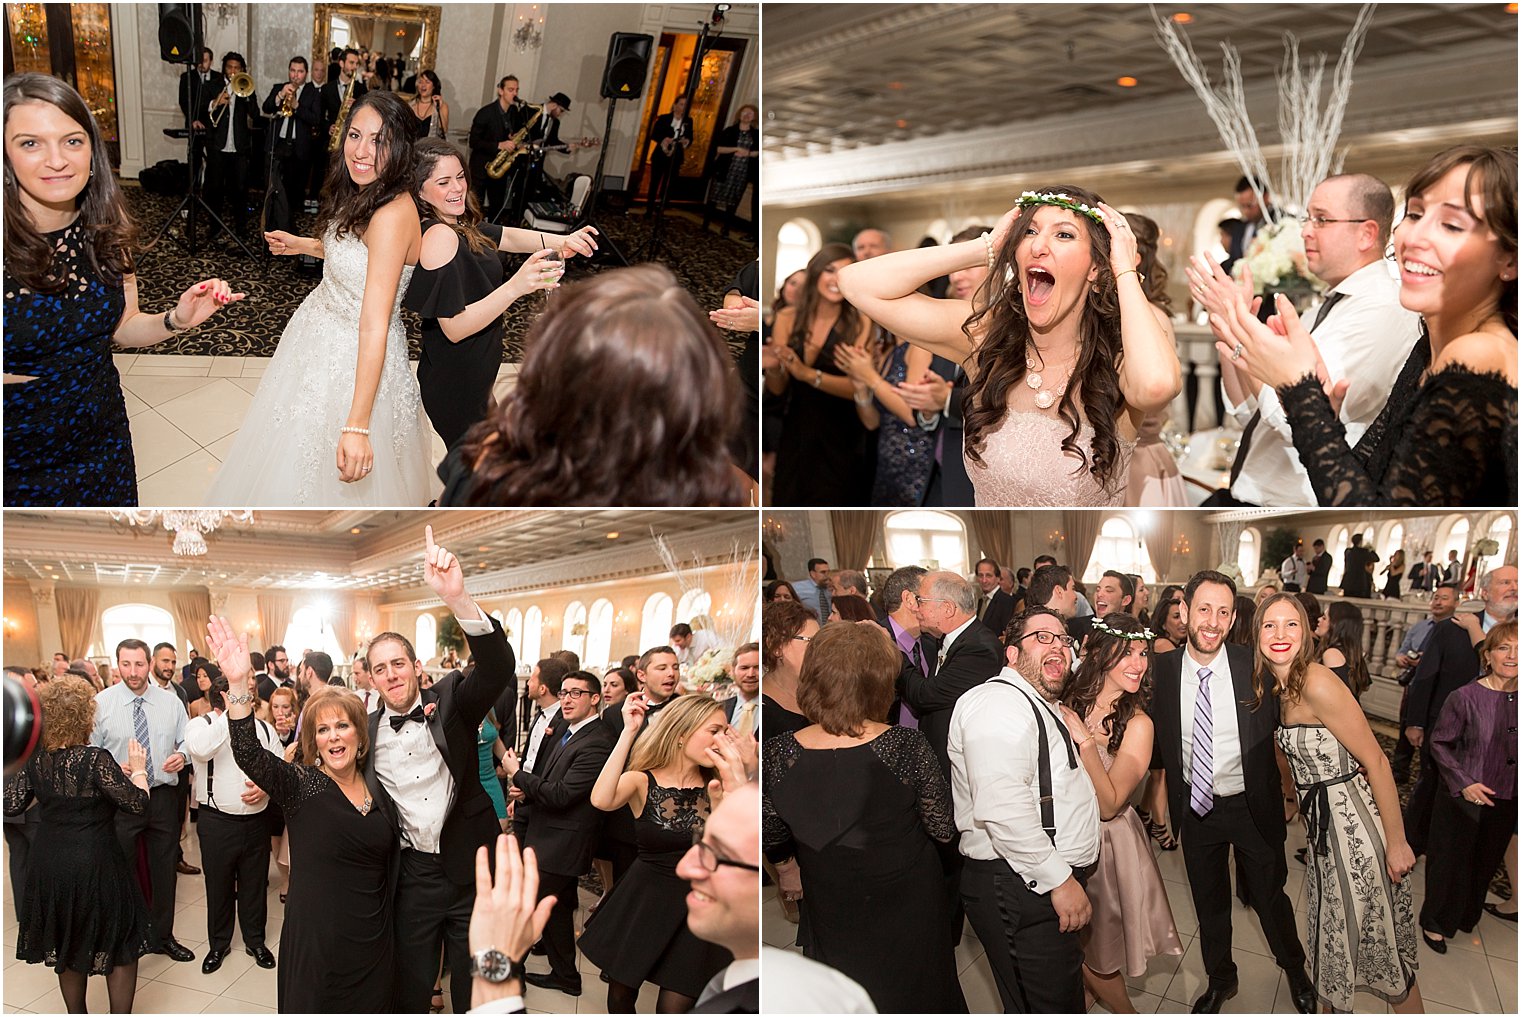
1006	752
1032	362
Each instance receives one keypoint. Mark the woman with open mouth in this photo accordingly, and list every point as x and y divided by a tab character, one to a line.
1360	918
1065	355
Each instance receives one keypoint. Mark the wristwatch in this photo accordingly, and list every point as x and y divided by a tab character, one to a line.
495	966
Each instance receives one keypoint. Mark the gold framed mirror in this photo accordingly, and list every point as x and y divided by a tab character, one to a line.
380	27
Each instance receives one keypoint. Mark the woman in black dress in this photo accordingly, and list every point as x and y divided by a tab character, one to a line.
639	933
866	811
336	947
70	293
1447	436
821	455
460	291
81	911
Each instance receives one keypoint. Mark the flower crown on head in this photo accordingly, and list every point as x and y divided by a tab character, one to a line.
1060	200
1099	626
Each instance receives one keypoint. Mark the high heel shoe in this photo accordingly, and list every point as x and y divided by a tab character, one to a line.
1164	838
1439	944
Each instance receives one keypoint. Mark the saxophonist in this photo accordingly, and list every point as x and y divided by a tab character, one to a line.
296	109
491	132
346	87
230	143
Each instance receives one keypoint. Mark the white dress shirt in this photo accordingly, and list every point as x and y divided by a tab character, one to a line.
536	733
1366	339
995	786
219	781
166	726
795	984
414	771
1294	570
1226	737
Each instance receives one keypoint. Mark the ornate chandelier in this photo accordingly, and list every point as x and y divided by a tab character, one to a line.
189	525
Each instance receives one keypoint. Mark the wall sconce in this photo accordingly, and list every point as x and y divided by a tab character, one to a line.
773	530
1181	545
1055	539
11	625
530	32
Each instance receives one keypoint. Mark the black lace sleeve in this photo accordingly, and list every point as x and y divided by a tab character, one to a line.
778	756
1454	445
18	792
113	784
287	784
908	755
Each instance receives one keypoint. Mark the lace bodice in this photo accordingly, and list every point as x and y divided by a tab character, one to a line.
343	277
289	785
77	773
1025	466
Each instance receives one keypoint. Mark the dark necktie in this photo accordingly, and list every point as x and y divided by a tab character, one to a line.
398	721
1251	425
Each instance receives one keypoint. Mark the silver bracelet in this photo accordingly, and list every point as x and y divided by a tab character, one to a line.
169	322
355	430
818	378
242	700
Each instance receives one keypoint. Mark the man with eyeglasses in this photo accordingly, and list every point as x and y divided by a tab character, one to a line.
1363	333
563	826
723	907
1029	820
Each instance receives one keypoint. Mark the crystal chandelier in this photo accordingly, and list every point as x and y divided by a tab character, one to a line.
189	525
530	31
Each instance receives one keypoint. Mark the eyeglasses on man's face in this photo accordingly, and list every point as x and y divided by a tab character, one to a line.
1320	221
711	861
575	693
1046	638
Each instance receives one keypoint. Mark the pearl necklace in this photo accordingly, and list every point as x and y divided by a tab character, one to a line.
1044	398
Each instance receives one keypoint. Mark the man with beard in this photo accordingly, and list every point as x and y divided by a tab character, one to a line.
1224	789
1029	821
278	662
743	710
1113	594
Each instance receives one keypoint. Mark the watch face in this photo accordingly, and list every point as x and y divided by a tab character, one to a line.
492	965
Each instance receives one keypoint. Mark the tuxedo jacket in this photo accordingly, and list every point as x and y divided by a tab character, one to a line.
332	102
460	703
973	658
1259	765
195	97
308	119
1320	572
235	117
1000	610
488	129
563	826
743	998
1449	660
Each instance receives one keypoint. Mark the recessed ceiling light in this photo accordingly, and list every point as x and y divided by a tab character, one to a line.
613	535
902	124
1183	18
1125	81
354	530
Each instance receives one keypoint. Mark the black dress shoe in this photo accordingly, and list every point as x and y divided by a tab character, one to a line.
175	951
1439	945
262	956
1306	999
554	981
1214	998
1504	916
213	961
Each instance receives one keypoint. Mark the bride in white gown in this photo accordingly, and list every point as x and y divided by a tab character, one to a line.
337	419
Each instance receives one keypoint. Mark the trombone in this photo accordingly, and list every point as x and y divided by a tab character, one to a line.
240	85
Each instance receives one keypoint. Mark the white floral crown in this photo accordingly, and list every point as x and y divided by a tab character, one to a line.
1060	200
1146	634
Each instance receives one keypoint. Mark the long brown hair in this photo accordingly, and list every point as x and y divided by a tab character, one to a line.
1148	235
808	304
1263	679
1346	635
345	204
429	152
1006	343
110	235
657	437
1102	652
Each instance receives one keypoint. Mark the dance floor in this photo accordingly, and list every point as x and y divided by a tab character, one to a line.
1476	975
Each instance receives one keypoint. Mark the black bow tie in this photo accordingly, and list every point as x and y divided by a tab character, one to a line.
398	720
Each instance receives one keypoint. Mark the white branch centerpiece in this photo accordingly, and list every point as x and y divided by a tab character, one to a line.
737	591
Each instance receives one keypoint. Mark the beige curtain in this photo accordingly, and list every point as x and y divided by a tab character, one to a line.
854	535
191	611
994	533
275	610
341	617
1082	534
76	618
361	31
1156	530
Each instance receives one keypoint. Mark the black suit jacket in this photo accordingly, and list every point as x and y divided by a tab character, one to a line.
488	129
743	998
1259	764
564	823
460	704
332	102
973	658
308	119
662	129
1320	572
1000	610
235	116
1449	661
195	97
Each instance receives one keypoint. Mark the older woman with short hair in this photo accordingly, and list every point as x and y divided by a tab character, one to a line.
864	810
787	627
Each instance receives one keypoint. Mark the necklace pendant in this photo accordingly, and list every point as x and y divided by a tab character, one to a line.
1035	381
1044	400
1030	364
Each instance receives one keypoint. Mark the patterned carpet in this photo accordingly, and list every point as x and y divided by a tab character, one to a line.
701	260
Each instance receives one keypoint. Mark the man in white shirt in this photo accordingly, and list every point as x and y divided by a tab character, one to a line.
424	755
233	831
544	690
681	641
1363	333
1029	821
1295	571
743	711
364	686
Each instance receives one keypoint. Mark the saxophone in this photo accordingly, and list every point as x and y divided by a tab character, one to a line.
335	138
497	168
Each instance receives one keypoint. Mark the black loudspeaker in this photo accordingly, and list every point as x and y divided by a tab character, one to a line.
628	61
180	36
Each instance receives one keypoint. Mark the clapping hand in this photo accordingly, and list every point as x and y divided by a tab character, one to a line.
927	395
203	300
744	318
857	362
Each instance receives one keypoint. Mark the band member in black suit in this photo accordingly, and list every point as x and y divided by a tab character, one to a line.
348	83
424	756
230	145
969	655
491	132
528	181
197	88
564	824
1224	789
295	139
671	135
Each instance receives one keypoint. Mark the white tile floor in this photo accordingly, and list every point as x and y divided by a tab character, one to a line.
240	986
1476	975
184	411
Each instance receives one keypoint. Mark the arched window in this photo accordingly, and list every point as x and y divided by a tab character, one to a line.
151	624
1455	539
924	537
1336	544
599	633
1393	540
692	604
533	634
513	623
575	628
1119	548
1500	531
655	628
309	630
342	32
426	643
1249	556
796	241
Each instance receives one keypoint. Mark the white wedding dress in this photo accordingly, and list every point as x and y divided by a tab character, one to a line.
286	452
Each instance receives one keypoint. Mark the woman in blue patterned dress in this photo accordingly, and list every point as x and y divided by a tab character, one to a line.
70	293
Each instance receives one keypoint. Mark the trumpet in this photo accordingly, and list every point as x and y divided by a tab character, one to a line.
497	168
288	103
240	85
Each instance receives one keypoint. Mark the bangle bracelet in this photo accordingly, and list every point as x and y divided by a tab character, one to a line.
987	240
818	378
236	700
863	398
1127	271
169	322
355	430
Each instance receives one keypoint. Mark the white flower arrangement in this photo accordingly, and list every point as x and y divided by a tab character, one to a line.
1486	547
712	668
1277	260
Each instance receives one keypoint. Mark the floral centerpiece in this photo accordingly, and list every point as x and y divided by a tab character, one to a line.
1486	547
1277	262
711	672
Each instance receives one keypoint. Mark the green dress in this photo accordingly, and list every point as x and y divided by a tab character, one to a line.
489	781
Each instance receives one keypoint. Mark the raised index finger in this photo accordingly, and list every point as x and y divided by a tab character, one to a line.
428	534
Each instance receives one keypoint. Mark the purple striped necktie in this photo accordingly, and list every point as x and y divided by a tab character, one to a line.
906	717
1201	794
